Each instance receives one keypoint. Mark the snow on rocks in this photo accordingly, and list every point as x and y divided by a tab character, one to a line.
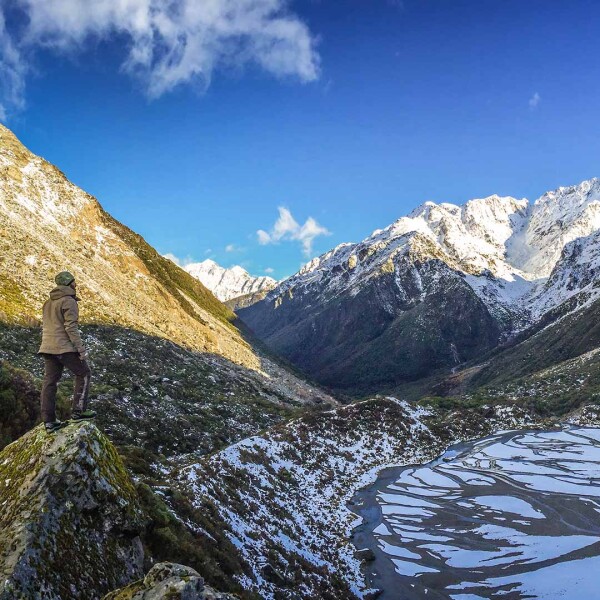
227	284
284	494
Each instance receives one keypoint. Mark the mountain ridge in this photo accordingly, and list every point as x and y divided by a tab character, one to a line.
512	255
227	284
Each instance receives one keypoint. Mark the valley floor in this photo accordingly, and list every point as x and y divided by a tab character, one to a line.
240	479
481	521
284	495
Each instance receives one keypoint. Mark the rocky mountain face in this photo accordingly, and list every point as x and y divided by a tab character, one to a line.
552	367
435	289
229	284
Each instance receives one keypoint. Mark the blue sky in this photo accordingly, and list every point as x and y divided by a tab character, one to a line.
348	113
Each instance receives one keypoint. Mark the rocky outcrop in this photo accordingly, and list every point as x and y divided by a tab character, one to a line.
70	519
169	580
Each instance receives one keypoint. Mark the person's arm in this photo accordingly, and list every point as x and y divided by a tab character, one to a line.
71	316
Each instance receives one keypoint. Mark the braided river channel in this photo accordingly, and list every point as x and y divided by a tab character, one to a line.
515	515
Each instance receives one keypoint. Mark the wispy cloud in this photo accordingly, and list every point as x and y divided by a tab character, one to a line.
13	70
168	43
534	101
230	248
269	270
287	228
180	262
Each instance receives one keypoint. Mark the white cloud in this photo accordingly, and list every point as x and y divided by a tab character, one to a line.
534	101
168	42
172	258
230	248
287	228
263	237
180	262
269	270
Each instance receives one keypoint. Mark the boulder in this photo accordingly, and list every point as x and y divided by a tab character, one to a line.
70	519
169	580
270	573
365	554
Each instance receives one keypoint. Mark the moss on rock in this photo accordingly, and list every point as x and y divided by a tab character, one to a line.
70	519
169	580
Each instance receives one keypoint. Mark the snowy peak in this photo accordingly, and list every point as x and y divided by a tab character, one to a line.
502	235
227	284
473	238
576	274
474	235
506	247
557	218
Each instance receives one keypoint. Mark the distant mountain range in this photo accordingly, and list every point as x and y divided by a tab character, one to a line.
437	288
230	285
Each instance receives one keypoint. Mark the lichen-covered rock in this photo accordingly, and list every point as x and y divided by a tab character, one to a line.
69	517
169	580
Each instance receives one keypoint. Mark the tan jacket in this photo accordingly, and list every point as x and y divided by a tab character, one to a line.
60	331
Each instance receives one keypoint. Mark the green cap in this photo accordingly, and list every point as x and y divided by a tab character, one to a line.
64	278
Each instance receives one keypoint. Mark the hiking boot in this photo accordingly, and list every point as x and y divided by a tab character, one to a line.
53	426
85	415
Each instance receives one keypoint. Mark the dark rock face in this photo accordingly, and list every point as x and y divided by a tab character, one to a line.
365	554
412	319
70	518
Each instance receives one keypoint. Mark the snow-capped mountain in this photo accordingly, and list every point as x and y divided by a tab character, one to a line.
509	260
508	238
576	275
227	284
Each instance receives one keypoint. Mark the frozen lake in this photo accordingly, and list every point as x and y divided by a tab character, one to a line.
511	516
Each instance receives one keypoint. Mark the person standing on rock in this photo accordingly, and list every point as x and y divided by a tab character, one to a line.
62	347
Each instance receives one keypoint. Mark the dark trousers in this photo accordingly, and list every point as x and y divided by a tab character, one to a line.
54	366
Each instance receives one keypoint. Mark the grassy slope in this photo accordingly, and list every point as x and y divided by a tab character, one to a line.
552	369
175	279
156	401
